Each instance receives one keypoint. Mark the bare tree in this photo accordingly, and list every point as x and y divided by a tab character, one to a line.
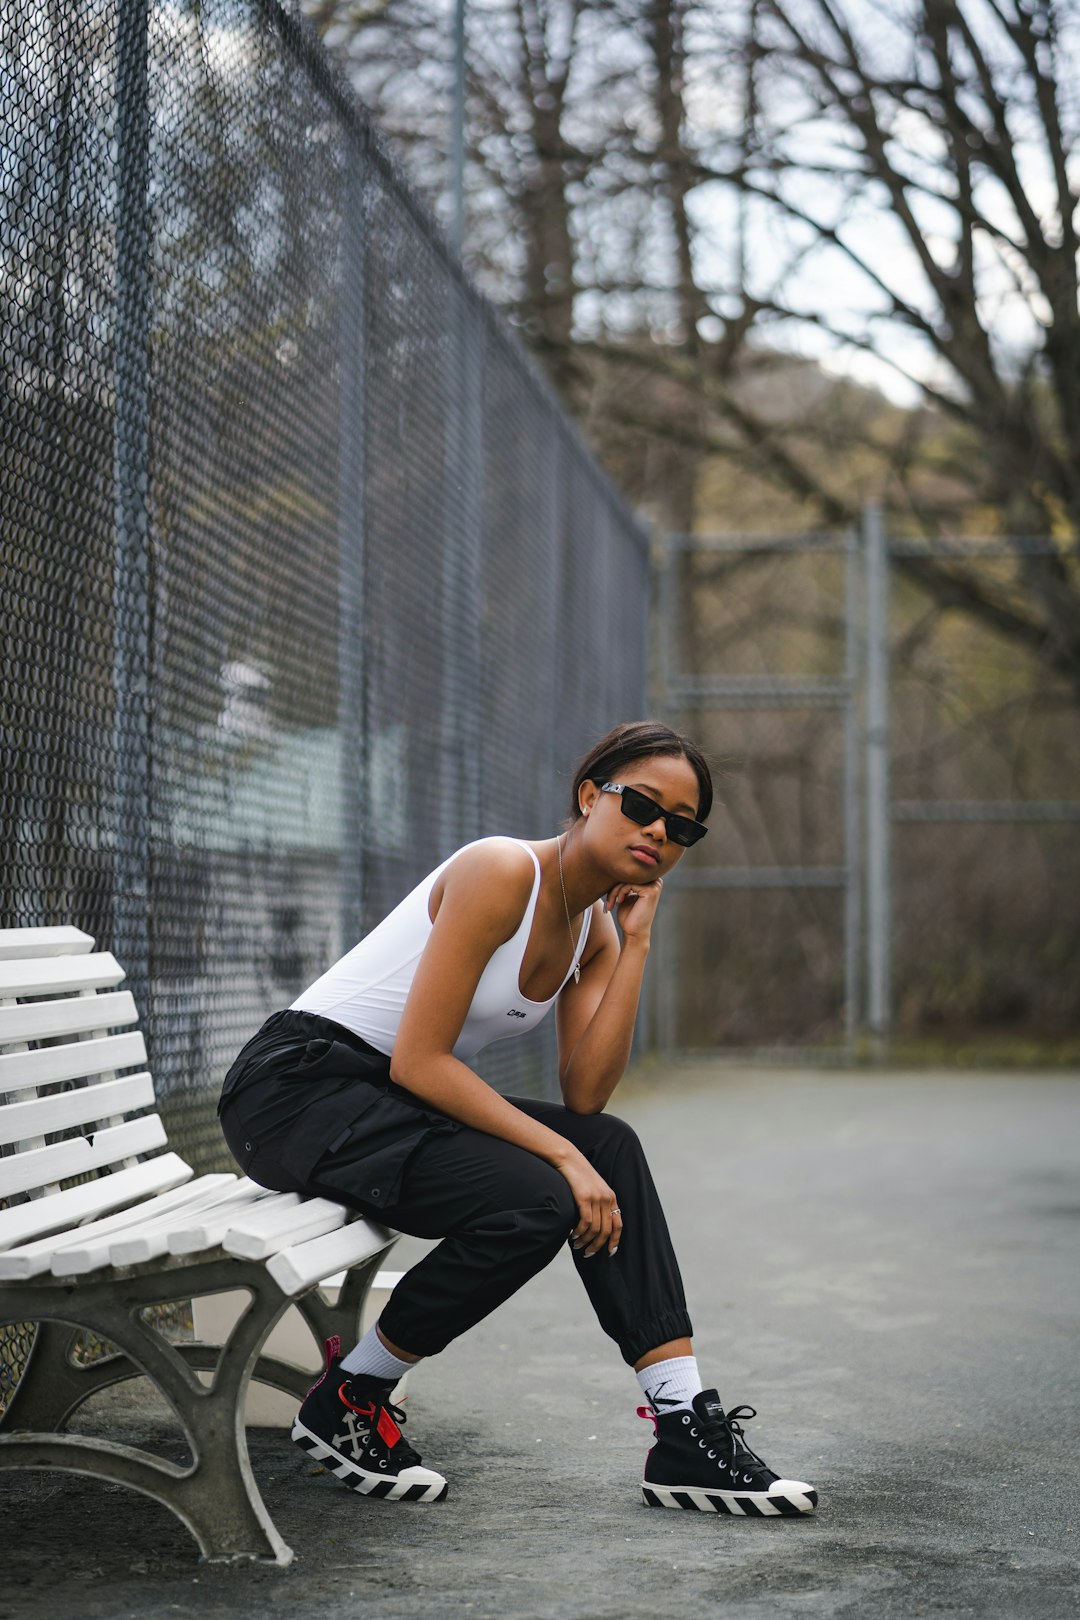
927	150
690	209
523	163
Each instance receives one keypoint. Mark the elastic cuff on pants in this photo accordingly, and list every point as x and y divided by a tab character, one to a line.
657	1331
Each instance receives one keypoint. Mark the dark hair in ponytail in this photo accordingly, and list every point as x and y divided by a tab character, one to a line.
641	739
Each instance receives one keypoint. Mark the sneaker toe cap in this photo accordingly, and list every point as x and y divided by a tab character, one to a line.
420	1476
794	1488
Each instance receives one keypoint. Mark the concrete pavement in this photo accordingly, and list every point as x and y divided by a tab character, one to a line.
887	1266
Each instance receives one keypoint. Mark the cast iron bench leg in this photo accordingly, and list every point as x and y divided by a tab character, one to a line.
216	1497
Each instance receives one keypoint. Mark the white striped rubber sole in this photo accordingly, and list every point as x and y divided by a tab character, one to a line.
400	1489
740	1504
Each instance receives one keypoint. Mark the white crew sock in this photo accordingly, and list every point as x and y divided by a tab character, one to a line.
671	1385
372	1359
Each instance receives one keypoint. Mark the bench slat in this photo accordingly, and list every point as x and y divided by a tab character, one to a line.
92	1198
146	1237
73	1015
269	1220
264	1232
296	1269
23	942
31	1259
136	1247
209	1230
84	1106
44	976
40	1167
76	1061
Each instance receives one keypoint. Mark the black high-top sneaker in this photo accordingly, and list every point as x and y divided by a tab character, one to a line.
348	1423
701	1460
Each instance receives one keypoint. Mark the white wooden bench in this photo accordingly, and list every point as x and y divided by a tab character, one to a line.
100	1223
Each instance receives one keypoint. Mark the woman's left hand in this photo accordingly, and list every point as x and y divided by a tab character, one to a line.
633	905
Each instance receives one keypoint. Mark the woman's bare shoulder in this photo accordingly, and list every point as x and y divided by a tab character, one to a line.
492	878
499	856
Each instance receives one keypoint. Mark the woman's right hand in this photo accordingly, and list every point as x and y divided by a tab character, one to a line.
599	1221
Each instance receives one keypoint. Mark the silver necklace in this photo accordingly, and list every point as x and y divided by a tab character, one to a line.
566	908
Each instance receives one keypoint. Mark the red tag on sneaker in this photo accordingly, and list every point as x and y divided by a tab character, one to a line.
387	1429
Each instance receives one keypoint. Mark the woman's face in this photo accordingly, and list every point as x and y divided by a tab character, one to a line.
633	852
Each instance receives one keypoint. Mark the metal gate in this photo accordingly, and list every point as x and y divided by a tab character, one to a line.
684	695
859	690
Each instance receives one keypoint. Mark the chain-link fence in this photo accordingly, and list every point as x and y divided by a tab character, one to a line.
896	852
307	579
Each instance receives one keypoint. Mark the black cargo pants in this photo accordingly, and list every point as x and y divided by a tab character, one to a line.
310	1107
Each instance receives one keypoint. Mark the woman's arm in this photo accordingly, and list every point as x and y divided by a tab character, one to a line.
595	1018
484	897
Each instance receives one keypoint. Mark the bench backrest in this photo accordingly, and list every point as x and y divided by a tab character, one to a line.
74	1126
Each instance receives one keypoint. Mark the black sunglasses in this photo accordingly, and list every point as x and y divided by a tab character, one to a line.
640	808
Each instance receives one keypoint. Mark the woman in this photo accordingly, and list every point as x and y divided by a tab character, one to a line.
362	1092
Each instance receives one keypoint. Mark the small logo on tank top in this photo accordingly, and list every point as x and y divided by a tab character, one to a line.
513	1013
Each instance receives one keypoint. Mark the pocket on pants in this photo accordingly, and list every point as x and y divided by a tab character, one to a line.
327	1120
367	1161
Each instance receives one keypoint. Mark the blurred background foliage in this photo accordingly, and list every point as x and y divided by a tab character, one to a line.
713	221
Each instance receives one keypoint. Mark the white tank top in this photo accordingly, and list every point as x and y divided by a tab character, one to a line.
366	990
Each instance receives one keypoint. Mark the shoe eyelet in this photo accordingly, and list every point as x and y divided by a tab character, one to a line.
686	1417
701	1445
382	1464
712	1454
693	1434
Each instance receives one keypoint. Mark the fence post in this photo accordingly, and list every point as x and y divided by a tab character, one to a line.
457	136
877	776
852	909
356	786
131	561
462	572
666	641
